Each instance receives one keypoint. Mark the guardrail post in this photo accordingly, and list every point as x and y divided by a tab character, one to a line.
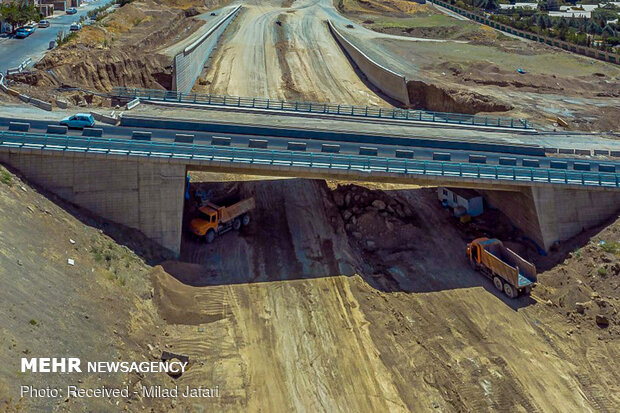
238	101
209	101
310	159
583	179
496	173
366	111
310	107
224	101
331	160
548	175
195	97
565	177
532	174
281	105
324	107
424	168
380	110
433	116
514	174
442	169
339	109
407	114
478	171
600	182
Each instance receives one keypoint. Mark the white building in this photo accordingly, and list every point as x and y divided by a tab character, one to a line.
463	201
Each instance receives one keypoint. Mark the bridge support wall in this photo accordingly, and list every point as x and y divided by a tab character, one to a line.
139	193
548	214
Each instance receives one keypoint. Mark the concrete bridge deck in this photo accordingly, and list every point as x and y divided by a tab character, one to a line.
141	183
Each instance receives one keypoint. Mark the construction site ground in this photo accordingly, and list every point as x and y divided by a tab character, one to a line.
336	297
477	66
283	49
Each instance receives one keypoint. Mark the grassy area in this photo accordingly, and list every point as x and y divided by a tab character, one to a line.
5	177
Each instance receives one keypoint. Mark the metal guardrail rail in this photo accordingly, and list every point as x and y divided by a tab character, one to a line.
278	158
374	112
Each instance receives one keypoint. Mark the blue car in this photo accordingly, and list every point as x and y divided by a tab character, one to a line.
22	33
25	31
72	10
79	121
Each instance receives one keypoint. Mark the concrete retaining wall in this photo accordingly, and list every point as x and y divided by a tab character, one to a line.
189	64
144	195
391	83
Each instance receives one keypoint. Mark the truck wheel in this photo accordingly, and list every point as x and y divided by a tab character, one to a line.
246	220
473	265
236	224
510	291
497	282
210	236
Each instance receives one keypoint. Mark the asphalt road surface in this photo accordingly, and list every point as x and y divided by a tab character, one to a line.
313	145
14	51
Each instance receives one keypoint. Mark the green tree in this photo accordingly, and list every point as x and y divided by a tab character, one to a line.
17	13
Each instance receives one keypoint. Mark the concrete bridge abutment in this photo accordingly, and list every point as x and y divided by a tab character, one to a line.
140	193
551	214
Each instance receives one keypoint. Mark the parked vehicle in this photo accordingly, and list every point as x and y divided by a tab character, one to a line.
75	27
510	273
31	27
44	23
79	121
22	33
72	10
216	220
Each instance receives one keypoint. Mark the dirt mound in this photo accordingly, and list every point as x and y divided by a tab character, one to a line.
105	69
439	99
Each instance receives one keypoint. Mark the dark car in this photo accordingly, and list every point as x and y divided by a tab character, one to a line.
72	10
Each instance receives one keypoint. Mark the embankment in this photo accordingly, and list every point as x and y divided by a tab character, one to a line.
189	63
391	83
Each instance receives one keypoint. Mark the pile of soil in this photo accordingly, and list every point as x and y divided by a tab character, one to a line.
442	99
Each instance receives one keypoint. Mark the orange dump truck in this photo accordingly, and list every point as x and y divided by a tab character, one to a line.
510	273
215	220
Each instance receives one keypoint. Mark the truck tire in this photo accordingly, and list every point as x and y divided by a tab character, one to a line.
246	220
237	224
210	236
510	291
498	283
473	265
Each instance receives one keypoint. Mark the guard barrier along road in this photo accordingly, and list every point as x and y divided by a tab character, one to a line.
189	63
15	141
369	112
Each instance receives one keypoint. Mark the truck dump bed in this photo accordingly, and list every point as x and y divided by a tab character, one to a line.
507	263
231	212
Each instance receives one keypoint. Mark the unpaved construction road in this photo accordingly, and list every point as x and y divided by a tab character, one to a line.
331	301
283	52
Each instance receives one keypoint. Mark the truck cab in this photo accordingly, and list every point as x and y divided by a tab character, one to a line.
215	220
206	220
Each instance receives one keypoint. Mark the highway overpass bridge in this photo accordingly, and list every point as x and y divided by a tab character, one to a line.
141	184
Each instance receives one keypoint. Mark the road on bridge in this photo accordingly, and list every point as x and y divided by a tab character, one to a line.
314	145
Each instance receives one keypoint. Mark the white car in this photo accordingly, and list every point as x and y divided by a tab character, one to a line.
75	27
79	121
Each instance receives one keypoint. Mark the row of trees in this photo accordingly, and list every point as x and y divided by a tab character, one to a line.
594	31
18	13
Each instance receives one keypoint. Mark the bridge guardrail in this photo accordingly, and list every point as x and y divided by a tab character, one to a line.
323	108
305	159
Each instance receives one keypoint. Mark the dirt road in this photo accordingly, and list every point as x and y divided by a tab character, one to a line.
414	330
283	52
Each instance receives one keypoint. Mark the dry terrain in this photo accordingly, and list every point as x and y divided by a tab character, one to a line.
337	297
480	61
284	50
